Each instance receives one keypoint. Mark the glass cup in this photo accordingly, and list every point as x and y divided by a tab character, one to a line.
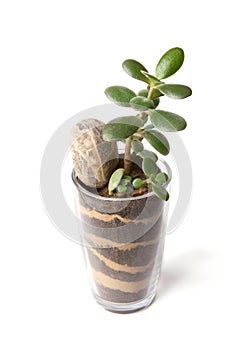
123	243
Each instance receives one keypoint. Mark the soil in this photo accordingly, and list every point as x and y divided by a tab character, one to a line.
123	240
135	171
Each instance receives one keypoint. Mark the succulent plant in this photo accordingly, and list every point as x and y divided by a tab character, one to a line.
147	123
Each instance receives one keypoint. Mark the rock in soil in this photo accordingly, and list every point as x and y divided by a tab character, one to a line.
94	159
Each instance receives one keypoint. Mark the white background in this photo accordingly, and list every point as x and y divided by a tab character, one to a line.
57	57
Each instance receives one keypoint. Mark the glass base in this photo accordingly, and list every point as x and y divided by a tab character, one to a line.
125	308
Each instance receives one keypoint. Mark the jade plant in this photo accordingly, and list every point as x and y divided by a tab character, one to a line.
148	123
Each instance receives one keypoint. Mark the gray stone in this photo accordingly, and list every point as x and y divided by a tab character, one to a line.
94	159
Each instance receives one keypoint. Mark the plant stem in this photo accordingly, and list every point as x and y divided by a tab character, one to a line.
143	115
140	137
150	93
128	140
127	156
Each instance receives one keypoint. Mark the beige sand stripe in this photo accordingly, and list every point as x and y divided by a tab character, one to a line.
107	243
110	217
112	283
120	267
105	217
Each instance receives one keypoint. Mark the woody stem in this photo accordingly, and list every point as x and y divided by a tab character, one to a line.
127	156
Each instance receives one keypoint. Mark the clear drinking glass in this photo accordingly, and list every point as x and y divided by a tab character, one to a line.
123	244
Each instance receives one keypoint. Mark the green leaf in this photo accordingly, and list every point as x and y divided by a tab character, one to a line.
153	80
127	178
176	91
152	178
167	121
124	182
149	166
160	191
143	93
141	103
137	183
169	63
129	188
115	179
121	128
137	146
161	178
156	102
133	68
156	93
148	154
120	95
157	140
121	188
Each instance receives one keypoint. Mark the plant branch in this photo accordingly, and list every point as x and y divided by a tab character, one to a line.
150	93
143	115
139	136
127	156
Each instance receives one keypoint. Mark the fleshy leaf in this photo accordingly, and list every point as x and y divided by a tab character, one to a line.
161	178
156	102
141	103
148	154
133	68
143	93
121	128
121	188
115	179
137	183
123	182
175	91
160	191
152	78
167	121
120	95
156	93
157	140
127	178
129	188
169	63
137	146
149	166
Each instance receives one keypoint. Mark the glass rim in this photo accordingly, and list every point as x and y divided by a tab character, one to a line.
145	195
